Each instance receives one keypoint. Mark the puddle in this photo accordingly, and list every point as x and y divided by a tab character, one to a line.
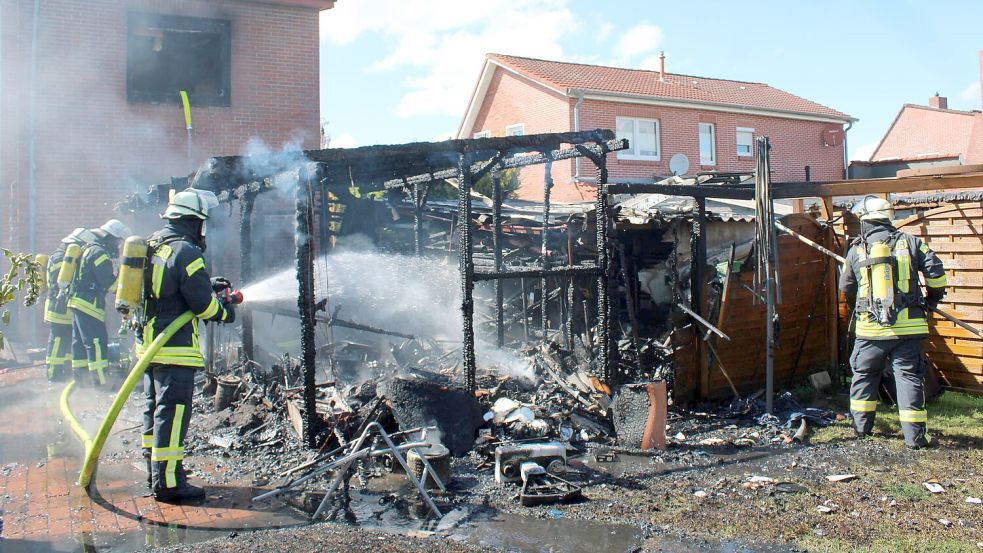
519	533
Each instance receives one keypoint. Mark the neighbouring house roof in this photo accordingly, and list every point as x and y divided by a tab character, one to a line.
922	132
638	85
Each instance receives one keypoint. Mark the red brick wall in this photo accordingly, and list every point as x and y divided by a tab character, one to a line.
94	146
795	143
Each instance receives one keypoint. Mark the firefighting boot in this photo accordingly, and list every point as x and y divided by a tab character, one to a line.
181	494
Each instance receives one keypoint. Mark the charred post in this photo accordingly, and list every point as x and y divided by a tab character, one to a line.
246	204
303	244
604	264
547	187
466	256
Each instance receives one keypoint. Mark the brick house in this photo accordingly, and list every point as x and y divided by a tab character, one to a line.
926	136
713	122
101	112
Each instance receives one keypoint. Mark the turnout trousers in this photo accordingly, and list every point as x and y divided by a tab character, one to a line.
169	390
906	361
89	347
59	355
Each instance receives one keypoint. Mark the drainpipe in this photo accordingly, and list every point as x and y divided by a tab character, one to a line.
576	128
32	140
846	155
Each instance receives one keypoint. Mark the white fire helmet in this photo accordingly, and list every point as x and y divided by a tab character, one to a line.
872	208
81	234
191	202
116	229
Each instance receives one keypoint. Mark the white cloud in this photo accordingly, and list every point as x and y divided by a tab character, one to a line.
971	92
444	45
639	40
344	140
863	152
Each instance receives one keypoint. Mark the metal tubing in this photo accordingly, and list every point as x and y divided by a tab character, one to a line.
696	316
496	178
544	252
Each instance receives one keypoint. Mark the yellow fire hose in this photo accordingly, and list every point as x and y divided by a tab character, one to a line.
73	423
94	447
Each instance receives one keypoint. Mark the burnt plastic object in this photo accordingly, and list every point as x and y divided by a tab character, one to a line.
542	489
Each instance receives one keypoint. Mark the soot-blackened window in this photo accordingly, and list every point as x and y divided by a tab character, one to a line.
167	54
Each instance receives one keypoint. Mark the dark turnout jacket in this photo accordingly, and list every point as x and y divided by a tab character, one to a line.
177	281
93	279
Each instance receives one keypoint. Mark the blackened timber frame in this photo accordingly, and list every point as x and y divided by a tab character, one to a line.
538	149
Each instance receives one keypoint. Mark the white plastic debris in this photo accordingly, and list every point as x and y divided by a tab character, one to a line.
946	522
699	493
680	436
933	487
841	477
974	500
503	406
824	509
761	480
522	414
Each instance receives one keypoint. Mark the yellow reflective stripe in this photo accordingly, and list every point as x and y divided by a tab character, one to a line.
80	363
86	307
180	361
100	260
922	247
175	444
913	415
148	441
166	453
180	350
211	310
195	266
157	279
863	405
937	282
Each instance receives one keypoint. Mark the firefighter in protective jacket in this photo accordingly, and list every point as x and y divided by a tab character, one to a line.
56	313
94	277
880	278
176	282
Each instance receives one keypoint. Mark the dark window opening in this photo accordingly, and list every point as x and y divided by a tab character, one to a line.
166	54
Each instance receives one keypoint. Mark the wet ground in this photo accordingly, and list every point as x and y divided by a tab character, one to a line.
709	498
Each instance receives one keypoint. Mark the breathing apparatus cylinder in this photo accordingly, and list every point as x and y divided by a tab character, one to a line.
129	285
42	261
69	264
882	282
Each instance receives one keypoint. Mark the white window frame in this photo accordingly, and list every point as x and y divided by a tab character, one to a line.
510	129
737	134
630	152
482	134
712	160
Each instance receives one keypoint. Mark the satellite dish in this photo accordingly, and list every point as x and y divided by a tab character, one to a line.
679	164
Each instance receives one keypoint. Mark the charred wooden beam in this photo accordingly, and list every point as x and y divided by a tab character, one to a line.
466	257
246	204
591	151
303	244
539	272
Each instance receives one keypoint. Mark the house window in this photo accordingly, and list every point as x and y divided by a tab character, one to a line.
518	129
482	134
745	142
708	145
166	54
643	138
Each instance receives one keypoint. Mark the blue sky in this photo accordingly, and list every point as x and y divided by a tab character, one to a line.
395	71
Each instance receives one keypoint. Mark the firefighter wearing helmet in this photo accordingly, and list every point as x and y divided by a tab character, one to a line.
880	278
59	355
94	276
176	282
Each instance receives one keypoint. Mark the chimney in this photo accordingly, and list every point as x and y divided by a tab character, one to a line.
662	65
938	102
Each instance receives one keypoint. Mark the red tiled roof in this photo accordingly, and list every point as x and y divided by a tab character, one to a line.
637	82
920	131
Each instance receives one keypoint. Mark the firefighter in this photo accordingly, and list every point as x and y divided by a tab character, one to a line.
177	281
59	355
93	279
880	278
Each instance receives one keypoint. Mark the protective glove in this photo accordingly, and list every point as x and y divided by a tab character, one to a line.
230	316
933	297
220	283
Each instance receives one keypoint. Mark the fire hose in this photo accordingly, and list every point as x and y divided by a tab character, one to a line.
73	423
94	447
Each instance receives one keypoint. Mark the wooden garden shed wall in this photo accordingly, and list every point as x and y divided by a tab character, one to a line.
804	285
955	232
